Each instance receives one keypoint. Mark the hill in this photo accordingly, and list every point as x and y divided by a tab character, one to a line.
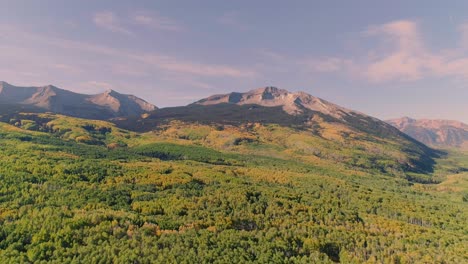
437	133
52	99
191	192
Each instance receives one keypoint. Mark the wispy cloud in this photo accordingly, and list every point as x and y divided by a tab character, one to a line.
150	61
129	69
155	21
463	30
66	68
410	59
401	55
175	65
98	85
329	64
125	23
109	21
406	58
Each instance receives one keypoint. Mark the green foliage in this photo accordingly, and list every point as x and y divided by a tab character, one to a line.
169	151
169	201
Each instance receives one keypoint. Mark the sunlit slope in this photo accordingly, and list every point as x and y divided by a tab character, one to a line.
320	143
354	139
92	132
191	193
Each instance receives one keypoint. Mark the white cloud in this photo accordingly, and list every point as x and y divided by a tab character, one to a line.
402	55
410	59
401	33
407	58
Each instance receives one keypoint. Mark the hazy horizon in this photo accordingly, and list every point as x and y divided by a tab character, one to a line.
387	60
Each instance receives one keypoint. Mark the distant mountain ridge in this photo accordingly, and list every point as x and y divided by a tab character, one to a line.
50	98
438	133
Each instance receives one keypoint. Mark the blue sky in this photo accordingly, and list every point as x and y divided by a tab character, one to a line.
387	59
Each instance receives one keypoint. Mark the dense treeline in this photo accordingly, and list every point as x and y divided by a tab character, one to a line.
67	202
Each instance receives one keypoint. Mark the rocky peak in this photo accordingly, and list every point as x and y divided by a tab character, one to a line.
269	93
292	102
111	92
51	98
439	133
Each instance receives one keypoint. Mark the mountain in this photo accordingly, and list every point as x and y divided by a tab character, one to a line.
438	133
227	183
87	191
302	106
292	103
355	138
52	99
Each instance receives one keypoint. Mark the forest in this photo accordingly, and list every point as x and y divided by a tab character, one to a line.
83	191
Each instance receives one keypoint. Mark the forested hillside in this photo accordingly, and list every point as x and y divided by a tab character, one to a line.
83	191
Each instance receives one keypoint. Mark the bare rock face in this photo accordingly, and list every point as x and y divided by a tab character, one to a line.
438	133
50	98
293	103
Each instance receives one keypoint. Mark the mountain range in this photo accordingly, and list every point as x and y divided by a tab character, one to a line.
436	133
271	105
262	171
266	105
52	99
328	124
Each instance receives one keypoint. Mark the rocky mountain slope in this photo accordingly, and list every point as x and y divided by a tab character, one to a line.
50	98
438	133
292	103
354	136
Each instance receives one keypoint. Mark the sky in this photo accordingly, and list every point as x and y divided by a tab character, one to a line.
384	58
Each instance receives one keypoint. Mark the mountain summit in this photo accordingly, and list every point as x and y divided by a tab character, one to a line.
438	133
293	103
50	98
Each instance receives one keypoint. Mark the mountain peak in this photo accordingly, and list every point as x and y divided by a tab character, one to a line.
4	84
401	122
110	92
408	119
269	89
51	98
293	103
434	132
